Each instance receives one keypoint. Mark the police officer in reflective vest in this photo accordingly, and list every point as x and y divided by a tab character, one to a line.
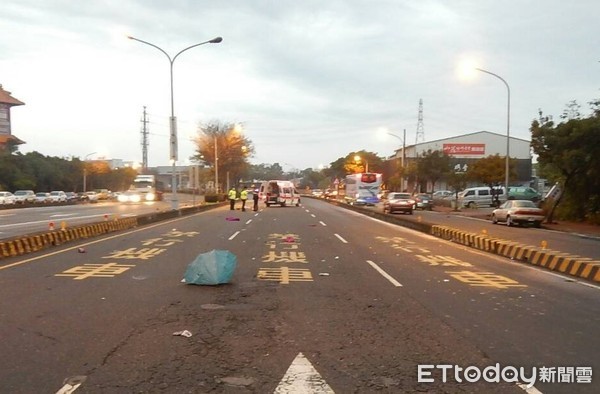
232	194
244	197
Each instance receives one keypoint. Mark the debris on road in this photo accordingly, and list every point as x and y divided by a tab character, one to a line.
211	268
184	333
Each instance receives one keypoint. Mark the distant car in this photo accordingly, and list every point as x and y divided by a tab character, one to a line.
441	194
24	196
317	192
72	196
363	197
129	197
42	197
423	201
82	196
331	194
103	194
7	198
402	202
58	196
91	197
518	212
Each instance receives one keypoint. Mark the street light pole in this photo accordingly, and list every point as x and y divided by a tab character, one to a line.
403	157
172	119
216	166
85	170
507	167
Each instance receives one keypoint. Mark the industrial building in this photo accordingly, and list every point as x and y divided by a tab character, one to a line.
467	148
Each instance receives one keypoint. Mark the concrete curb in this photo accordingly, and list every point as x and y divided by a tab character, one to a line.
34	242
573	265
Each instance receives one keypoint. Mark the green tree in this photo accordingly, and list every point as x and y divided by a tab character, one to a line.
433	166
569	152
491	171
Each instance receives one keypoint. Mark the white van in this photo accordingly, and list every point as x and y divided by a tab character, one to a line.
480	196
278	192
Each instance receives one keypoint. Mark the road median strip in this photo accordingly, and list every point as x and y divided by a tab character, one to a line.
30	243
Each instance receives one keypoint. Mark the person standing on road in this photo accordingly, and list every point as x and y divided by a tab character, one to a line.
255	199
232	194
244	197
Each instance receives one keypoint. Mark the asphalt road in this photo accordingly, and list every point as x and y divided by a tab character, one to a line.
322	296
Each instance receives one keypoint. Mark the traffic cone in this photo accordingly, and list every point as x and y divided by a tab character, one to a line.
51	226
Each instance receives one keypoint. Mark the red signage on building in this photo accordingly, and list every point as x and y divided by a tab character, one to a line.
464	149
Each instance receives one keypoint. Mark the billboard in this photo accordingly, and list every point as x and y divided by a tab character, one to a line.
464	149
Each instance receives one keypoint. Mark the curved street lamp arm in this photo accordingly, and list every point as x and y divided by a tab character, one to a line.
215	40
155	46
397	136
497	76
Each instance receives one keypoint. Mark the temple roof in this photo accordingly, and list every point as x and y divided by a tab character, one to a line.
6	98
4	138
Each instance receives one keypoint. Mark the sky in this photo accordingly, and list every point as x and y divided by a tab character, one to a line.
309	81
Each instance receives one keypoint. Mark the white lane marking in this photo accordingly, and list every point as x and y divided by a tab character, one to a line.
67	388
301	377
256	214
531	390
341	239
313	215
61	215
71	384
7	215
384	274
249	220
307	210
234	235
323	224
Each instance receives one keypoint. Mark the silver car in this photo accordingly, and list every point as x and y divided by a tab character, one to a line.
518	212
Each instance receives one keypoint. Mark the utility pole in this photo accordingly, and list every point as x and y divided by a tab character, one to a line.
145	141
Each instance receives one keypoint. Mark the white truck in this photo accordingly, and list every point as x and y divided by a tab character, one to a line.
148	187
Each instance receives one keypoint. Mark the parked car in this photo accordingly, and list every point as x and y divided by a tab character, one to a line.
518	212
402	202
58	196
82	196
7	198
103	194
480	196
91	197
423	201
42	198
72	196
523	193
441	194
24	196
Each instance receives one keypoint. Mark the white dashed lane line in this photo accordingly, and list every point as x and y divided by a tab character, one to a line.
384	274
340	238
323	224
234	235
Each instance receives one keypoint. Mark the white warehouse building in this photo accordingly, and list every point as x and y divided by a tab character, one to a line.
468	148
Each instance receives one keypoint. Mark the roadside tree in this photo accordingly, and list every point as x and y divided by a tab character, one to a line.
569	153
